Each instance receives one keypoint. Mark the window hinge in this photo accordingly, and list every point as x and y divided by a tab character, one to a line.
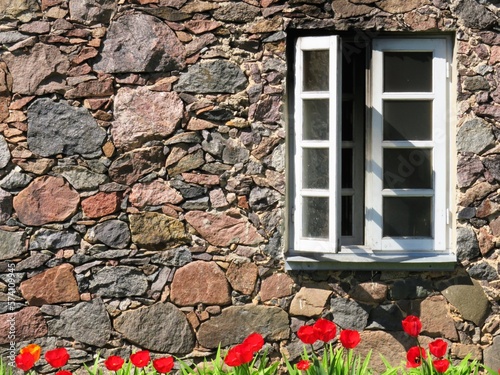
448	217
448	70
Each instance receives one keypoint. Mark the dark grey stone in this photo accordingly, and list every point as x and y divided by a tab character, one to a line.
188	191
175	257
11	37
475	136
212	77
87	322
214	144
492	163
185	137
217	115
140	327
483	271
410	289
469	168
4	152
476	83
15	180
112	254
81	178
52	239
467	244
58	128
5	206
234	152
91	12
474	15
263	198
385	317
236	12
466	213
8	307
196	204
12	244
119	282
491	355
349	314
113	233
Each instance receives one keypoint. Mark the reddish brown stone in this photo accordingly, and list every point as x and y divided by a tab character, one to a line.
20	103
345	9
200	282
56	285
201	26
49	3
242	277
201	179
487	208
47	199
28	323
486	241
370	292
495	227
436	320
309	301
94	88
199	124
277	285
420	22
155	193
101	204
494	55
85	54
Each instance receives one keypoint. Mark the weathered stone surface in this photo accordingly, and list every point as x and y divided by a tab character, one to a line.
157	231
140	327
395	6
113	233
87	322
101	204
277	285
483	271
24	10
385	317
263	198
469	168
186	163
268	110
138	42
309	301
474	15
132	165
11	37
492	163
410	288
475	136
349	314
91	89
235	323
34	261
81	178
5	206
15	180
175	257
346	9
155	193
119	282
491	354
477	192
48	67
143	115
475	83
12	244
4	152
200	282
475	307
55	285
92	11
223	230
369	292
47	118
202	26
242	277
29	324
36	205
467	244
236	12
235	152
436	321
212	77
50	239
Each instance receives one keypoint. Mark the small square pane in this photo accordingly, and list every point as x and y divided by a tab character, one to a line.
316	72
316	119
407	168
407	120
407	217
407	71
315	168
315	217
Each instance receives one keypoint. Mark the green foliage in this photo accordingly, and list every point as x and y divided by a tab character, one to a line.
5	369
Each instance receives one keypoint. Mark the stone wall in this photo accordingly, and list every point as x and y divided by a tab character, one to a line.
142	180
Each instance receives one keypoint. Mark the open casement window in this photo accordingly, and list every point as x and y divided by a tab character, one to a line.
370	153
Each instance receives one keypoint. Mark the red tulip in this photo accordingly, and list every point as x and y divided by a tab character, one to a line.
57	357
114	363
349	338
238	355
325	330
25	361
412	325
140	359
34	349
303	364
63	372
254	342
414	356
441	365
307	334
164	364
438	348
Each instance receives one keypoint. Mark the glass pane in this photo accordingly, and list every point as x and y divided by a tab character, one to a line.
346	223
315	217
347	168
347	120
407	120
315	168
316	75
316	116
407	217
407	71
407	168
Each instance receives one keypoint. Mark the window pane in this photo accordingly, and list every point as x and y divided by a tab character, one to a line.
347	168
407	71
346	219
315	217
316	119
407	168
347	120
315	168
316	75
407	217
407	120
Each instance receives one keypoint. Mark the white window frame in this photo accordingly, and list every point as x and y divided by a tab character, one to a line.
376	251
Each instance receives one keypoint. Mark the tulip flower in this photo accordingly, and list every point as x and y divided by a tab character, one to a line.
414	356
114	363
34	349
412	325
307	334
441	365
254	342
238	355
325	330
163	365
25	361
438	348
63	372
140	359
57	357
349	338
303	365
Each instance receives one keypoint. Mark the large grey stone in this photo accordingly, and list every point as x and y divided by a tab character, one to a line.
474	15
236	11
24	10
349	314
386	317
81	178
50	239
92	11
235	323
140	327
119	282
491	355
140	43
467	244
212	77
58	128
87	322
475	136
12	244
15	180
113	233
263	198
4	152
483	271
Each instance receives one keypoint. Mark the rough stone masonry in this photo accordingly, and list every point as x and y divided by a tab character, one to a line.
142	179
